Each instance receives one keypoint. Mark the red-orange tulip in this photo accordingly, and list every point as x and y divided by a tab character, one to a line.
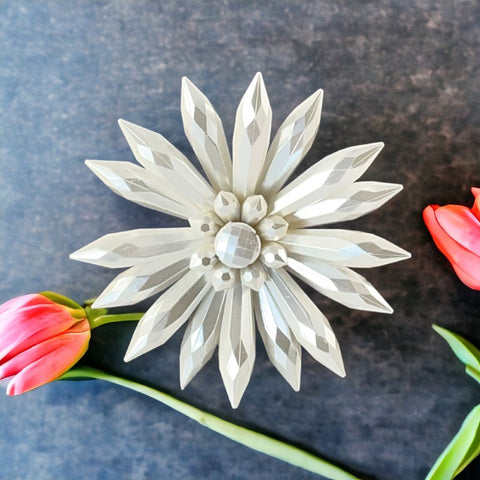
39	341
455	229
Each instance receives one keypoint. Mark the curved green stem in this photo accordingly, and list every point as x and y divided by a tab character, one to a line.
255	440
114	317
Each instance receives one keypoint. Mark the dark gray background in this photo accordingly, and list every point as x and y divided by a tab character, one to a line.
402	72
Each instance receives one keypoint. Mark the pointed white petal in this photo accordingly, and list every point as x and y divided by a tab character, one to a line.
282	348
141	186
308	324
323	178
251	137
204	131
158	155
201	336
124	249
291	143
144	280
343	247
236	350
347	203
168	314
338	283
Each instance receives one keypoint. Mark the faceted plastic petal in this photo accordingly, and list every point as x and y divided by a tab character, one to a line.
223	277
236	351
253	276
143	187
282	348
347	203
201	337
291	143
308	324
155	153
124	249
168	314
273	255
206	224
323	178
144	280
339	283
227	206
343	247
204	258
254	208
204	130
251	137
272	228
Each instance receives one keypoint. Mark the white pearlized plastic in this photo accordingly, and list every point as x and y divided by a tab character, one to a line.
230	269
237	245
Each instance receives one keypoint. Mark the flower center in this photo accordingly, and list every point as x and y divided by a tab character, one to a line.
237	245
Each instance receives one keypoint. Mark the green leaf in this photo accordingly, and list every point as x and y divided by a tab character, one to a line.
473	451
249	438
460	451
61	300
463	349
473	373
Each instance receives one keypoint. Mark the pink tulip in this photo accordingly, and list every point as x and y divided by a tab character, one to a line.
456	232
39	341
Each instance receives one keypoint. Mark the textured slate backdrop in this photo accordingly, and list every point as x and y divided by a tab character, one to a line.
404	72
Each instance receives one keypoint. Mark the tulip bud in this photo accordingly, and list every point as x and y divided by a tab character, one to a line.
455	229
41	337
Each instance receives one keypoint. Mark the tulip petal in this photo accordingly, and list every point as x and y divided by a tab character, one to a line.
25	327
23	301
465	263
56	356
460	224
32	354
476	204
470	279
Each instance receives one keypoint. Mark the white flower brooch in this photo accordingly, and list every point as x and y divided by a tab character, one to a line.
231	268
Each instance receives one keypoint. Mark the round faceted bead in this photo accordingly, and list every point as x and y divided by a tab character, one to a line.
254	276
203	259
272	228
254	208
273	255
223	277
208	224
227	206
237	245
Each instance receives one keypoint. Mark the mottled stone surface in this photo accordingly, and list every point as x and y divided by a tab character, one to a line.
403	72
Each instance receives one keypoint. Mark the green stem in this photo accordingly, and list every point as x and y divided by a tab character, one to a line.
257	441
114	317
